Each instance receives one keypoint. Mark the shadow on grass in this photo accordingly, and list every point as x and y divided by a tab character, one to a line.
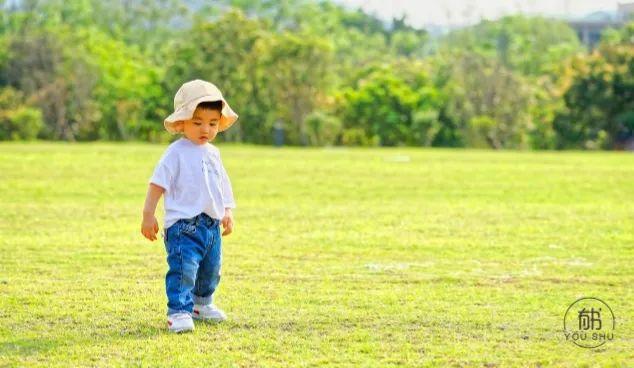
25	347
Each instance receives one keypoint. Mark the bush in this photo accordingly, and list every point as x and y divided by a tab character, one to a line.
323	129
357	137
18	121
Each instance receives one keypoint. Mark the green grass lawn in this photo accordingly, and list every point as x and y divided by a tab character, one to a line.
353	257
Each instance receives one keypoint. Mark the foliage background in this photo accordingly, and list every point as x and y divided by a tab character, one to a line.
107	70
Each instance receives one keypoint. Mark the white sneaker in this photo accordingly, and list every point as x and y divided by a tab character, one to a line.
180	322
208	312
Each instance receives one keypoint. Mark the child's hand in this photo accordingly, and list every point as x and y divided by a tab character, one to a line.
227	222
149	227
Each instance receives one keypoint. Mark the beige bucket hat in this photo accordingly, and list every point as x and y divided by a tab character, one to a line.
189	96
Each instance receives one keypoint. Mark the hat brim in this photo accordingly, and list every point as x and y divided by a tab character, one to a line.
227	118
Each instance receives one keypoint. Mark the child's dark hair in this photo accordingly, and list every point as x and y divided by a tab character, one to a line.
211	105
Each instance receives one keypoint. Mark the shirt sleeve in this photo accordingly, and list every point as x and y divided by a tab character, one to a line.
163	174
227	191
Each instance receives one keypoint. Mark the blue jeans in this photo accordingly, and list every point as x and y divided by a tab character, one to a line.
194	255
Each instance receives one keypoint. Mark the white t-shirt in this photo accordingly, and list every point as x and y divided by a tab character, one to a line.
194	180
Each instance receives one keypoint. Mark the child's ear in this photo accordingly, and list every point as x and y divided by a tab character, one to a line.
178	126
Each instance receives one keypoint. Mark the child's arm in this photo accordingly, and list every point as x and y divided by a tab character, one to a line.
149	226
228	201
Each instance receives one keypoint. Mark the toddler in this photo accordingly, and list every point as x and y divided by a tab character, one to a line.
197	198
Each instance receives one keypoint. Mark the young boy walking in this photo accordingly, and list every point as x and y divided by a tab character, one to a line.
197	199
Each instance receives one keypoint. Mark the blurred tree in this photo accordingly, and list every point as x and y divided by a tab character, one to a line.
487	102
56	81
545	102
623	36
599	102
147	24
390	109
128	93
297	73
406	40
528	45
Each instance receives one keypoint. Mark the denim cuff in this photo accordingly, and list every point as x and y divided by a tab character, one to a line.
202	300
171	311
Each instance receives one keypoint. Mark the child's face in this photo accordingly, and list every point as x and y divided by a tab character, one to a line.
202	127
